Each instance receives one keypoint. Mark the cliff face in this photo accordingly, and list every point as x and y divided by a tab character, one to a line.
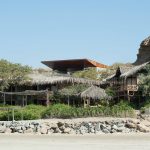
144	52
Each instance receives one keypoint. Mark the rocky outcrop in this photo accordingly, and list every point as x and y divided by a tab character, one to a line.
144	52
73	127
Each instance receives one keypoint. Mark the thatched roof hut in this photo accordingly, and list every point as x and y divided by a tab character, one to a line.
134	70
41	79
131	72
94	92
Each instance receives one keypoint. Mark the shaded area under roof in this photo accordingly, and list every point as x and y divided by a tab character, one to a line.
74	64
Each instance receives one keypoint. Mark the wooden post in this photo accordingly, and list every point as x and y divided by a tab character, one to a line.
22	101
47	98
11	95
84	102
4	99
13	115
26	100
68	101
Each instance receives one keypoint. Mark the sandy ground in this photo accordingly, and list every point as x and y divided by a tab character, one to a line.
95	142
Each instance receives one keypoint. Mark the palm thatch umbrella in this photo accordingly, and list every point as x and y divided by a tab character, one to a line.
94	92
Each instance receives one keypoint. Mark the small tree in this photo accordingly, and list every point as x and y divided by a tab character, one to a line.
11	74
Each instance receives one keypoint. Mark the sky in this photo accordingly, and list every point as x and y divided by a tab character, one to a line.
107	31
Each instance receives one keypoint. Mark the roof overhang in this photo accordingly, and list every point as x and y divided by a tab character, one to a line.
75	64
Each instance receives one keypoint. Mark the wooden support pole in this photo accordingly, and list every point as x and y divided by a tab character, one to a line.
47	98
26	100
68	101
4	100
22	101
13	115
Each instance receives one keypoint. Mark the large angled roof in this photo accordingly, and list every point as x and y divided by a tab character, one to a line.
76	64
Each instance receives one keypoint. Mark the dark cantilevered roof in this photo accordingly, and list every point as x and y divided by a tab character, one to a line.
75	64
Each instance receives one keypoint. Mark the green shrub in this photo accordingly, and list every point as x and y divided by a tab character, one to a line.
29	112
58	111
32	112
145	106
122	109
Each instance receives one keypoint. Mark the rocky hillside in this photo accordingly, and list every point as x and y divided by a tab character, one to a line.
144	52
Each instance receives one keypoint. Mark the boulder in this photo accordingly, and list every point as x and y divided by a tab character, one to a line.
130	125
44	130
143	128
114	127
67	130
2	129
105	131
53	126
98	127
60	124
28	131
8	130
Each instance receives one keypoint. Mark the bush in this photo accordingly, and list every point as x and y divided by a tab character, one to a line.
58	111
29	112
145	106
122	109
32	112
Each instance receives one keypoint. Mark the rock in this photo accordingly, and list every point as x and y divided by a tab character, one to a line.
8	130
144	52
115	127
108	127
67	130
57	130
83	130
18	128
50	131
143	128
66	125
103	126
130	125
27	125
8	124
92	130
98	127
60	124
121	129
31	126
28	131
62	128
20	131
54	126
105	131
126	130
113	131
44	130
120	125
2	129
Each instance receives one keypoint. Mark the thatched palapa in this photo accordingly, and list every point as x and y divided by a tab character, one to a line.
94	92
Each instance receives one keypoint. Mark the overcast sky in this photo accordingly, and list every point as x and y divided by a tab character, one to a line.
107	31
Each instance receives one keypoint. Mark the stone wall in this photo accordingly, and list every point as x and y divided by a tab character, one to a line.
106	126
